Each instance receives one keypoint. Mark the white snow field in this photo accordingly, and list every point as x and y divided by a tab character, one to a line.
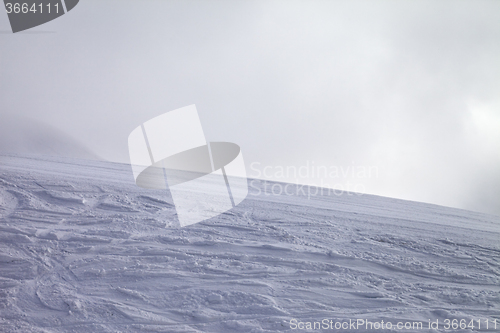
83	249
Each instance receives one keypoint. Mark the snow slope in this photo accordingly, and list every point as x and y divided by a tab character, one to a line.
83	249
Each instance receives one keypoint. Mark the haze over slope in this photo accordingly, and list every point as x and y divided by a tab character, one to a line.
19	135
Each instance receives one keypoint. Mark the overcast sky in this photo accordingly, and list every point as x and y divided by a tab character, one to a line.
410	88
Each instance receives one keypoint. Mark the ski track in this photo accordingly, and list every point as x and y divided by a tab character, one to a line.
82	248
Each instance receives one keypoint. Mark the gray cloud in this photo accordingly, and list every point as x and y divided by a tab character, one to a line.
399	85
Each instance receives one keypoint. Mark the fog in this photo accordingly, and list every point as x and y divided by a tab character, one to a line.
410	89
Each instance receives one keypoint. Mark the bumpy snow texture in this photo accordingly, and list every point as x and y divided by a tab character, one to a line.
83	249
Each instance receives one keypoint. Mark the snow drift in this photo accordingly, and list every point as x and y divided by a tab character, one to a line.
83	249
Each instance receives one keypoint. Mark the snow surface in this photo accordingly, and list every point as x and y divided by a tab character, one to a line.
83	249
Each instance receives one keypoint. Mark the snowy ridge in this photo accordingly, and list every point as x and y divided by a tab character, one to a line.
82	248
